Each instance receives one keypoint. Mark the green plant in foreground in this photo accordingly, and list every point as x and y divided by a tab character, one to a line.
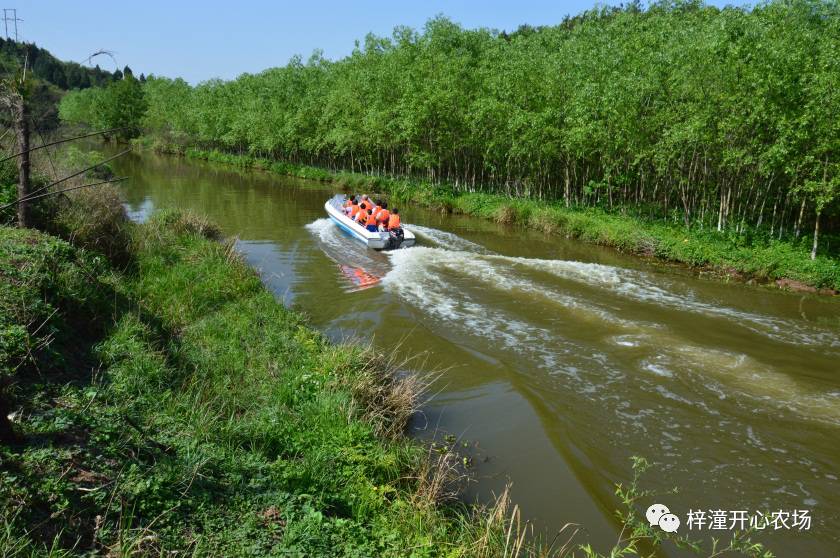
636	534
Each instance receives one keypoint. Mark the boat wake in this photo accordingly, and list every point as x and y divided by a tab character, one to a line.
589	323
445	239
586	321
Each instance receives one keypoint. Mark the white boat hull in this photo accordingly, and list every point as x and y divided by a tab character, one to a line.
376	240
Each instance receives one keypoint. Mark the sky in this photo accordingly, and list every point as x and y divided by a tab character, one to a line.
204	40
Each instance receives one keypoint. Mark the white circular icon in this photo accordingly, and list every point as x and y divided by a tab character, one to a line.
669	523
655	512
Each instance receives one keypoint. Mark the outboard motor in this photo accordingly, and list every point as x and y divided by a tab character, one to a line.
395	239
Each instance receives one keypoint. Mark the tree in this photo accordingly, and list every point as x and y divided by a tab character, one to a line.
122	105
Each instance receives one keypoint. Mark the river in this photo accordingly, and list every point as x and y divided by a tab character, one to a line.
556	361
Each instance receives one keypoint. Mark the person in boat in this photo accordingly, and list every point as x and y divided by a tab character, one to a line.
354	210
361	216
370	221
394	220
382	217
349	201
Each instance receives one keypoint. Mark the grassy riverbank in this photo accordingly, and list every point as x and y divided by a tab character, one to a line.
749	257
176	406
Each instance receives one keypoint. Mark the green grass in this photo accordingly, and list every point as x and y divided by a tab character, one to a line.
196	414
753	257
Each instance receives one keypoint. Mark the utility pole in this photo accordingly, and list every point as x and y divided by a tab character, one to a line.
10	14
14	96
20	118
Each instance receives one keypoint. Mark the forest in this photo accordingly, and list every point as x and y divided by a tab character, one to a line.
719	119
45	66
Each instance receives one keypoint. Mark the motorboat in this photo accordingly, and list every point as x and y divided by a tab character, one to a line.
379	240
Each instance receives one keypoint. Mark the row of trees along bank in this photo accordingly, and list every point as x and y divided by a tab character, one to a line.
724	119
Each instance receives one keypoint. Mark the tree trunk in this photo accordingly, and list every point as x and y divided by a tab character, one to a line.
21	124
816	237
799	220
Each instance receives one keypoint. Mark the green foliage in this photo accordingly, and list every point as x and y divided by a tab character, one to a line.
44	66
8	188
72	157
94	219
41	274
122	104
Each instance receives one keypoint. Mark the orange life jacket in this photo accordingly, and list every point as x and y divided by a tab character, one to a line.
354	209
383	216
394	221
371	219
348	203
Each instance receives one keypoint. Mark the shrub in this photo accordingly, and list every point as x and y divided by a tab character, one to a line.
94	219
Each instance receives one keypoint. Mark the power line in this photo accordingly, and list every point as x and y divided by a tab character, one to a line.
10	14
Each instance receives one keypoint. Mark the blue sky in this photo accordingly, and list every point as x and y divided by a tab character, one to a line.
203	40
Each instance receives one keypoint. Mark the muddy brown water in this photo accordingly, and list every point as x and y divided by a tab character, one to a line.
559	360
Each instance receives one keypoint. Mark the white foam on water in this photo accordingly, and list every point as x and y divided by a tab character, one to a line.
416	276
423	276
635	285
729	374
447	239
657	369
628	340
492	272
638	286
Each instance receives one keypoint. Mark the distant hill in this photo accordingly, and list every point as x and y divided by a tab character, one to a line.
45	66
53	78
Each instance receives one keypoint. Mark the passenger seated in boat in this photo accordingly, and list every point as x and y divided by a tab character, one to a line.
394	220
349	202
353	210
370	223
382	217
361	216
